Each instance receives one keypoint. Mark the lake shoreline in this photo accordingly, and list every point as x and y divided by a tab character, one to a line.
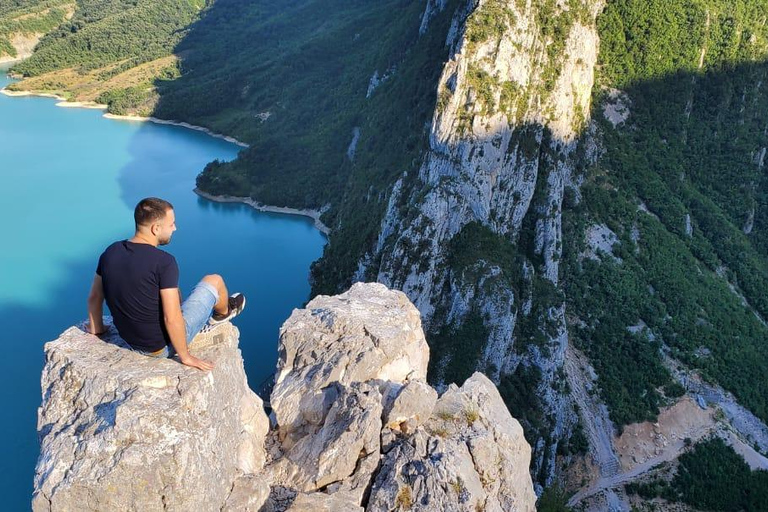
64	103
312	214
173	122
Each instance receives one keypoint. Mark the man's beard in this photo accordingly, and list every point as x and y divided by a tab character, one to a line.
164	241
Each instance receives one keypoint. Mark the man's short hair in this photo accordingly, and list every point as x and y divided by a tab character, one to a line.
150	210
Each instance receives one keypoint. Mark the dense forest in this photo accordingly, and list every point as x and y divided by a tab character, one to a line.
690	73
691	151
300	131
711	476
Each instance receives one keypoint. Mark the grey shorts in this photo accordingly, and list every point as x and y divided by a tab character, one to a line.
196	310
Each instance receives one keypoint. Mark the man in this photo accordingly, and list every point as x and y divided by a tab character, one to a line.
141	286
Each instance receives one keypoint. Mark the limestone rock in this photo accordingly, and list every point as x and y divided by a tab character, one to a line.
368	333
349	431
249	493
503	148
411	407
471	456
321	502
121	431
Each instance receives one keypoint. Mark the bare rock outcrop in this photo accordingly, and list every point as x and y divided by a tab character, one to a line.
366	334
510	133
355	425
358	424
121	431
471	456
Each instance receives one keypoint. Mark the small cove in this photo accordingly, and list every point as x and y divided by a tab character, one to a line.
71	179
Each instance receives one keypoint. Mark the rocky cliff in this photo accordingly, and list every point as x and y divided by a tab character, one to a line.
510	126
354	426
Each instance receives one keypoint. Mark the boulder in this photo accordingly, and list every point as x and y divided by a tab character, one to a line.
249	494
122	431
470	455
321	502
356	426
350	431
412	406
369	333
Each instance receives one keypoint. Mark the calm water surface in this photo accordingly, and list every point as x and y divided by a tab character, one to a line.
70	180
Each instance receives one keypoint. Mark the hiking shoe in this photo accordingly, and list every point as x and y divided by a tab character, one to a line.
236	306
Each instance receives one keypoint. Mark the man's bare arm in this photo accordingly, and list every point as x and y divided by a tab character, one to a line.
174	324
96	307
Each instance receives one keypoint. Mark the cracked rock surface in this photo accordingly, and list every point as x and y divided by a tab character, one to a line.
356	426
359	425
122	431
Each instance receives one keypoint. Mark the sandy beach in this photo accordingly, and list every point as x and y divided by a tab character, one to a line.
312	214
17	94
98	106
177	123
81	104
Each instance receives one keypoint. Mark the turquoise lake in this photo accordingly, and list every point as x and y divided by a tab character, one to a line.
70	182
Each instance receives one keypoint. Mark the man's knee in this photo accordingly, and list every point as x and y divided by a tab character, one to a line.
214	279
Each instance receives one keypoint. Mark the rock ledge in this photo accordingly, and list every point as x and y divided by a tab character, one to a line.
355	425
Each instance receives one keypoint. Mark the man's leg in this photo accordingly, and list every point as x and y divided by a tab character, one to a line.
222	304
200	304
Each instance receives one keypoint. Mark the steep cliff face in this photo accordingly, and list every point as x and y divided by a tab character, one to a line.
476	236
354	424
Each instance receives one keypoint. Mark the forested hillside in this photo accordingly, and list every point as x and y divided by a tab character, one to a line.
334	97
23	21
111	51
682	186
679	183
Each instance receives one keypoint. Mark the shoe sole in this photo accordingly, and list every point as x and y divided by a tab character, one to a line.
232	315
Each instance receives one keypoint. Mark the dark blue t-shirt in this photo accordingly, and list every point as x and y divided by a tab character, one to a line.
133	275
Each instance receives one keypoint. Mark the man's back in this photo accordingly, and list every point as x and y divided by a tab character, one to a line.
133	275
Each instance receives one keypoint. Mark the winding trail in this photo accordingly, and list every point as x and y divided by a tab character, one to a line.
621	478
598	427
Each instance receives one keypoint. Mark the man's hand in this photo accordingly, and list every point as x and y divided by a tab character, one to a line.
194	362
174	323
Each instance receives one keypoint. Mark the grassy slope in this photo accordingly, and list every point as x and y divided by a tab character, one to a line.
111	51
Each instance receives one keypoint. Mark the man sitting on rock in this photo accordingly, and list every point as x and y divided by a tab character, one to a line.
141	286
